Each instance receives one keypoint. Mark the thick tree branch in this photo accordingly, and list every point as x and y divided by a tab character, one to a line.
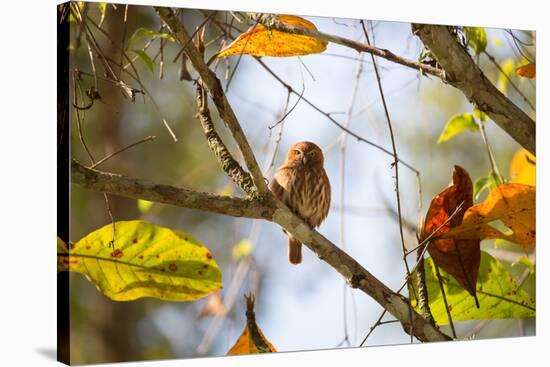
271	210
230	166
213	85
462	73
140	189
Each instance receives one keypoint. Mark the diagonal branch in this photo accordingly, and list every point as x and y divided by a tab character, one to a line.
273	23
230	166
213	85
275	211
461	72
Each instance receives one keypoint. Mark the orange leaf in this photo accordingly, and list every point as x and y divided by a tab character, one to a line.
527	71
512	204
252	340
260	41
460	258
522	168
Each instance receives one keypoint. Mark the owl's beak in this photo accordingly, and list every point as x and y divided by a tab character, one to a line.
304	160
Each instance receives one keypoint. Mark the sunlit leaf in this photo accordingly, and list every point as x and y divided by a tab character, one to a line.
147	261
496	41
527	71
102	7
482	116
146	59
144	205
523	168
511	204
144	32
242	249
524	260
227	190
457	124
499	295
477	39
508	67
489	182
260	41
252	340
458	257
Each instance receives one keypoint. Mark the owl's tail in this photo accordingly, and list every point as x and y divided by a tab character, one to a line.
294	251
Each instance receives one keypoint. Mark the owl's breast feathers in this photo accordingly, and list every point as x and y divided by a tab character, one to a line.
304	190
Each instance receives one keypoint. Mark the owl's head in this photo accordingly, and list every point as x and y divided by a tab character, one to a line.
305	153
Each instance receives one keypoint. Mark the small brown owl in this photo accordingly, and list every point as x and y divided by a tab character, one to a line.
302	184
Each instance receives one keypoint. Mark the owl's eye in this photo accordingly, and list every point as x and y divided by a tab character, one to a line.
297	152
312	153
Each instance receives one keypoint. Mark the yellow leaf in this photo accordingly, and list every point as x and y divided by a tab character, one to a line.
227	190
527	71
511	206
144	205
522	168
252	340
508	67
260	41
242	249
146	261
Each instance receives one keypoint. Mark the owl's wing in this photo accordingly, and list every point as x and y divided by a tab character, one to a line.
276	189
328	190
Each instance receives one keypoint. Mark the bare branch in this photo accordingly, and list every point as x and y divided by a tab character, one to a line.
462	73
230	166
273	23
140	189
212	84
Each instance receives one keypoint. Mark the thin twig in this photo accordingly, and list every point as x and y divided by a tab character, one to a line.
343	143
330	118
273	23
279	136
450	318
291	109
395	163
510	81
103	160
376	324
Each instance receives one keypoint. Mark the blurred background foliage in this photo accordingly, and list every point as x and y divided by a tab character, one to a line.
303	307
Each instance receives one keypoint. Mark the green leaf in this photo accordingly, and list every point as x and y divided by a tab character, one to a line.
457	124
499	295
147	261
144	32
146	59
482	116
489	183
524	260
144	205
477	39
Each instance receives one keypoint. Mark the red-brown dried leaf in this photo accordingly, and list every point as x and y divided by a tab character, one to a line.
463	264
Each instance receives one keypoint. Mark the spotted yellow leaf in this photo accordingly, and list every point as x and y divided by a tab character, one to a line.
145	260
260	41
